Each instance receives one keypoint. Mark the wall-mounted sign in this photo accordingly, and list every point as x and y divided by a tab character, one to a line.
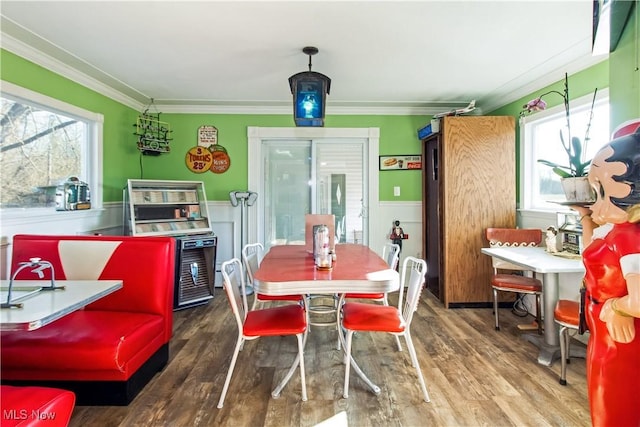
153	135
198	159
208	155
401	162
207	136
221	160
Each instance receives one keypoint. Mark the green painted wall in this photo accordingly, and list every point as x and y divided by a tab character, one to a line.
397	136
580	84
119	147
122	159
625	72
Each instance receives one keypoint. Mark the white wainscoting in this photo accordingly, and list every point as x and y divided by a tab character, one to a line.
225	222
410	216
106	220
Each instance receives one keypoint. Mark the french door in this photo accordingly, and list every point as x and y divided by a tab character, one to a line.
305	173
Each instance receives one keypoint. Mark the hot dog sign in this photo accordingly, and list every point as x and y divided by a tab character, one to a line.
208	155
401	162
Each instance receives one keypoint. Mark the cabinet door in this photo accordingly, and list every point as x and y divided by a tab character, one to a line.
478	191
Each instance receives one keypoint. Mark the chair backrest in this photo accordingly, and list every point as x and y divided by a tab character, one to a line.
391	254
234	287
414	271
498	237
251	258
317	219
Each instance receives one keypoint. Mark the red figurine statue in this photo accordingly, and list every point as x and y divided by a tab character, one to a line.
397	234
611	235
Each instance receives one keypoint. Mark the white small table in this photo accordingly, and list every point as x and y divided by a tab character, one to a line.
44	307
549	267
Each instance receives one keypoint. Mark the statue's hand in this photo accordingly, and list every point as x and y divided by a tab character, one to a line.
621	328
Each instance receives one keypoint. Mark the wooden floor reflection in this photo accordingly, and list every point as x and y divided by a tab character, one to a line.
475	376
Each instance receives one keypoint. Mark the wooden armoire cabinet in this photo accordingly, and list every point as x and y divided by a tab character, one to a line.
469	184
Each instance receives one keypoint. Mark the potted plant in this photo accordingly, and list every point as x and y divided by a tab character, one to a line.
573	174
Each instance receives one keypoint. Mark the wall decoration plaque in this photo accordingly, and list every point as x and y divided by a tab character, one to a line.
198	159
401	162
207	135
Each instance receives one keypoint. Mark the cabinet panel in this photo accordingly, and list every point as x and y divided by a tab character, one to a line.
476	186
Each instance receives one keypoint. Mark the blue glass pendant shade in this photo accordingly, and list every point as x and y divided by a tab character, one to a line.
309	90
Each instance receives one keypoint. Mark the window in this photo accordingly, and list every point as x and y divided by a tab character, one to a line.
43	142
540	139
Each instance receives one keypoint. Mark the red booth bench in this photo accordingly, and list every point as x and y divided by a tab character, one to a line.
108	351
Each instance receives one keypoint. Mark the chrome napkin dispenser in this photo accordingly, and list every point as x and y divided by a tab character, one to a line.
73	195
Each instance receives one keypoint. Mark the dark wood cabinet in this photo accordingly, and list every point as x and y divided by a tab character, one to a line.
469	184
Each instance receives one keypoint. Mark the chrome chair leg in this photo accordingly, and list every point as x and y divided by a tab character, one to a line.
564	334
495	307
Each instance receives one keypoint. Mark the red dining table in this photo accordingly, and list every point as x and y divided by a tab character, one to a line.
290	269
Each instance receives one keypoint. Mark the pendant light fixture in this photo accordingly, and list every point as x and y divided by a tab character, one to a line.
309	90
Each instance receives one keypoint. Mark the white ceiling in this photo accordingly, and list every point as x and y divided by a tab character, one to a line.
415	56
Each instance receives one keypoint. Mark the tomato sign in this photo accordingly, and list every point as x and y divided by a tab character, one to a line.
221	161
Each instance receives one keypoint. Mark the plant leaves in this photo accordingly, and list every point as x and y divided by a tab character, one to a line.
562	173
577	150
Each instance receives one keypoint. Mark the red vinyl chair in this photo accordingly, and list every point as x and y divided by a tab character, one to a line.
391	254
283	320
364	317
506	282
567	315
252	254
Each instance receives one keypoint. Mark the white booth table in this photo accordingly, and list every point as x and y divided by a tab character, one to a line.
548	268
45	306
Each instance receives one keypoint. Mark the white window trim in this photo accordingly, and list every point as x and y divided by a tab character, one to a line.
526	151
94	153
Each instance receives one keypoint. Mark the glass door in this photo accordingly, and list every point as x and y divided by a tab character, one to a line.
313	176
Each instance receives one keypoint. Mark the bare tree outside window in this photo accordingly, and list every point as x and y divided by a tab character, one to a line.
39	149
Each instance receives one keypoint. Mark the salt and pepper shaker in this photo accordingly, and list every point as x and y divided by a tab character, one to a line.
324	258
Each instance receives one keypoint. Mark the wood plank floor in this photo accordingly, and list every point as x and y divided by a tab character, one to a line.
475	376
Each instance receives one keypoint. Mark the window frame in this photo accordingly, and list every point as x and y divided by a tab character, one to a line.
91	153
526	160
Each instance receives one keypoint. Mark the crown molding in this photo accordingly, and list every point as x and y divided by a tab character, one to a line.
335	109
31	47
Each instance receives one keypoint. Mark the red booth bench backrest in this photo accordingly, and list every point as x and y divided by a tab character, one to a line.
146	265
